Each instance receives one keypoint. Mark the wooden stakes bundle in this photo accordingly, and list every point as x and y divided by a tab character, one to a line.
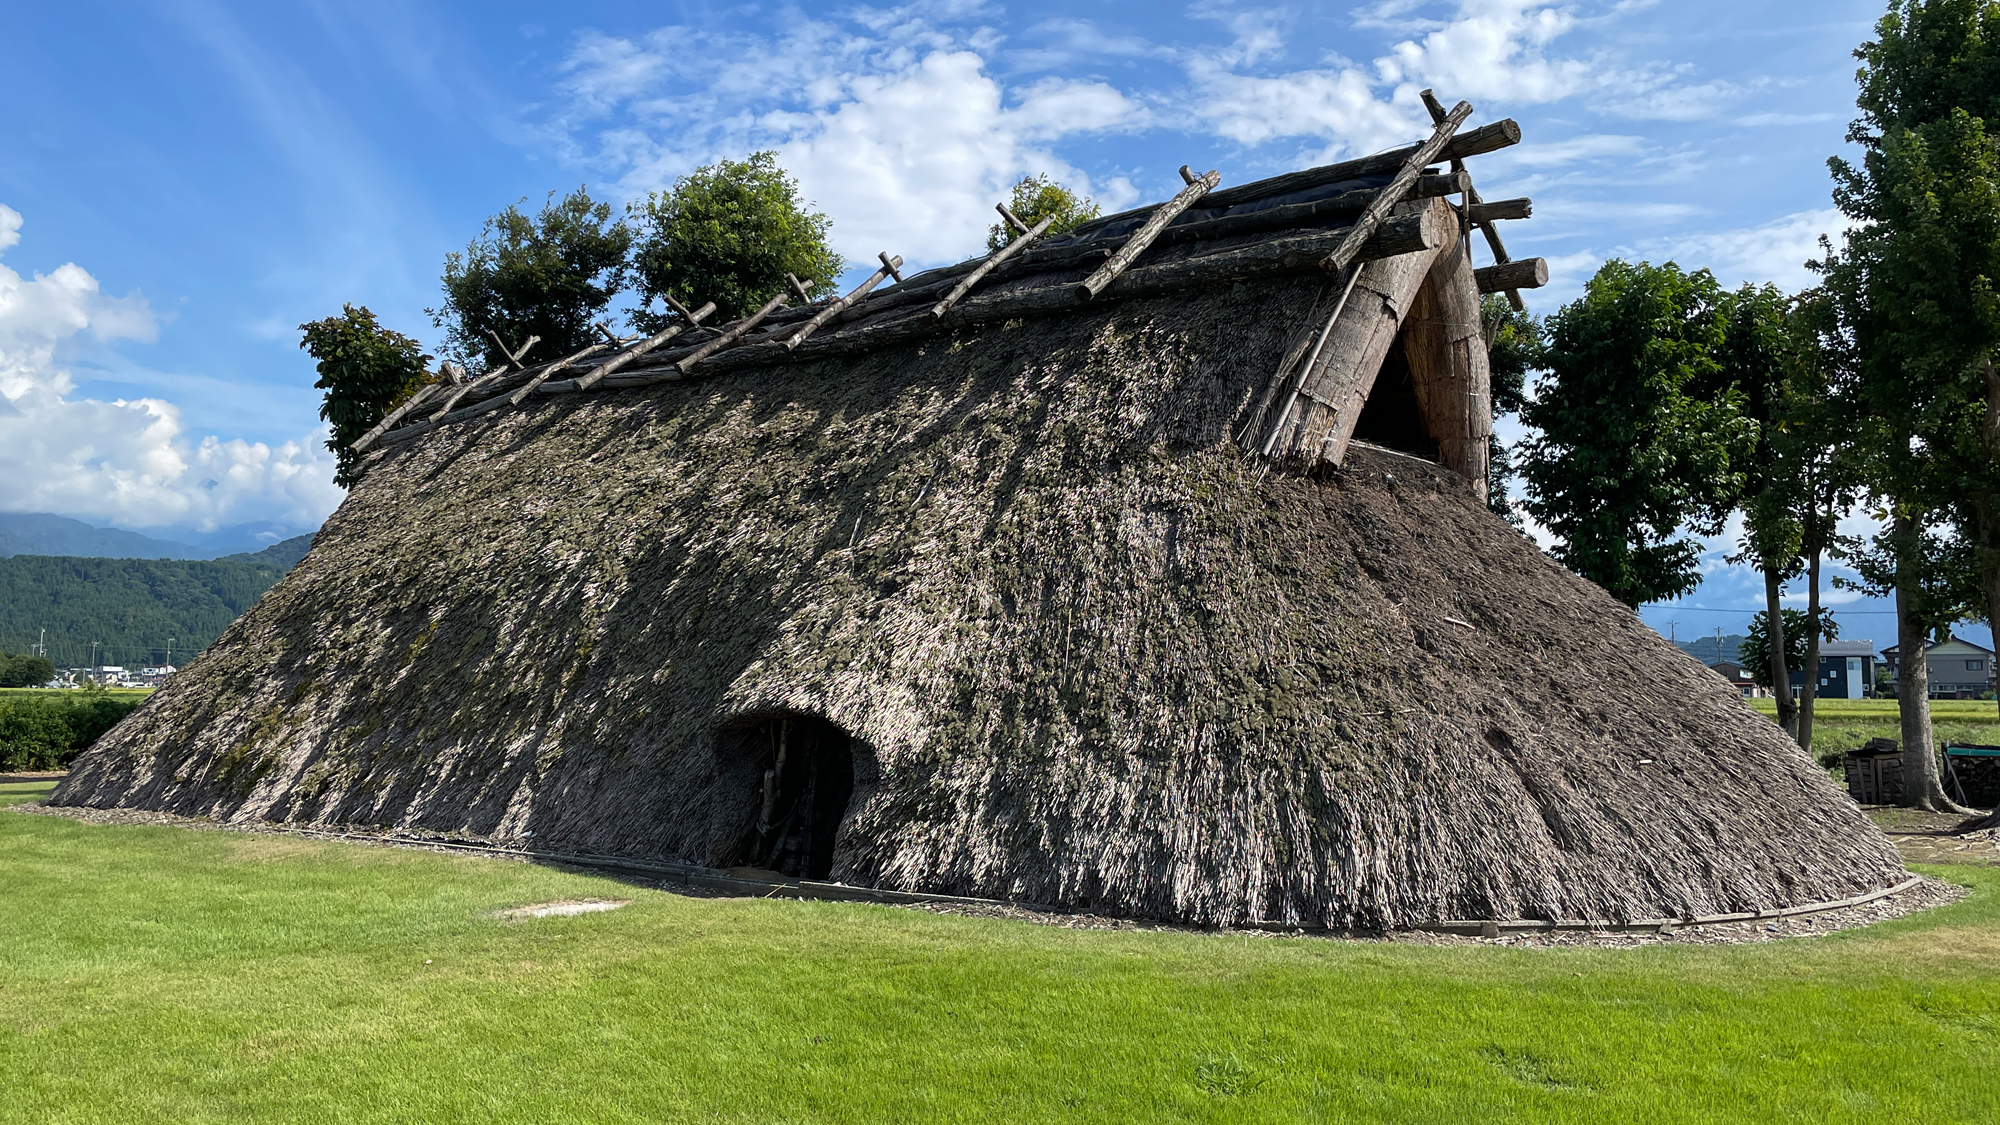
1143	237
1021	242
889	266
733	333
1405	179
688	319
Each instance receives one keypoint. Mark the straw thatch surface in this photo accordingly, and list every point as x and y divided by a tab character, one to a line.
1088	655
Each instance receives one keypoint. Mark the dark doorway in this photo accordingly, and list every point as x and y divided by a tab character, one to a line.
803	771
1391	416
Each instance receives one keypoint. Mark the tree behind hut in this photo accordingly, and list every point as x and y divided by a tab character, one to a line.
1638	435
1755	650
1515	346
365	370
1915	286
550	275
1777	352
728	232
1038	197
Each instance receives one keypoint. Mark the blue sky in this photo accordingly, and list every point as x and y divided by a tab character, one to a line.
184	183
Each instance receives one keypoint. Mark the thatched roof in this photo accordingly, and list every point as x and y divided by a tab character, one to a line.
1092	646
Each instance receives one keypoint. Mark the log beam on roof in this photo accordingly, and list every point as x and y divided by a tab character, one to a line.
1528	273
1317	213
1021	242
733	333
1472	200
1472	142
1406	178
528	388
485	383
1143	237
1496	209
688	320
424	394
1449	369
853	296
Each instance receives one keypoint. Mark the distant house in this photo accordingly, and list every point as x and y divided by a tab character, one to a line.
1740	677
1959	669
1846	671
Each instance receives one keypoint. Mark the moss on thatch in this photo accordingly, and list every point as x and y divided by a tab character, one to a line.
1087	654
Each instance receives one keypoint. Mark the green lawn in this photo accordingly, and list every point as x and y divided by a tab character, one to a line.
1840	725
157	974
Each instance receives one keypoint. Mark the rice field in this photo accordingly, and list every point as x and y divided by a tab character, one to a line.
1840	725
150	973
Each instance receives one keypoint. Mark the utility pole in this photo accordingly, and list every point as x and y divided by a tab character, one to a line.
170	652
95	673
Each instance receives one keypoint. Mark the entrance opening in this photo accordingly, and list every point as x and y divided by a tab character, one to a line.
803	770
1391	417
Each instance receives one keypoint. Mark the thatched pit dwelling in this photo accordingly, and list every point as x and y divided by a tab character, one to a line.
1180	601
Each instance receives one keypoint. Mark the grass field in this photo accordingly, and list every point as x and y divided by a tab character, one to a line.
115	693
158	974
1840	725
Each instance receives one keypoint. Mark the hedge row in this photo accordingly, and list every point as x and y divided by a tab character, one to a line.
47	730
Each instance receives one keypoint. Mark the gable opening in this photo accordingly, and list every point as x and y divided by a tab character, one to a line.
1392	417
796	776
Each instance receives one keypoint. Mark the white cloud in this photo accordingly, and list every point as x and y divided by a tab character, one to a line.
906	140
127	461
895	123
1773	252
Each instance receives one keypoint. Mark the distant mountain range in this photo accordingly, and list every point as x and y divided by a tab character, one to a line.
39	533
1709	651
129	611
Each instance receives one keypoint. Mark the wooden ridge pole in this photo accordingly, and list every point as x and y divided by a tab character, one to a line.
644	346
1143	237
1019	243
819	320
733	333
1472	200
1377	211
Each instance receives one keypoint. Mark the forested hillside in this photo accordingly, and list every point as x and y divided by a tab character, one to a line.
131	608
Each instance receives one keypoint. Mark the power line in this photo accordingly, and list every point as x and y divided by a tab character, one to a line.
1760	609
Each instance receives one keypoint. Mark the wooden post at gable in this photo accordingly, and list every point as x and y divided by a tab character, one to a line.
1449	370
1333	392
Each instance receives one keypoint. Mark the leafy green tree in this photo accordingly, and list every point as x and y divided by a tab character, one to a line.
364	371
729	233
1515	346
1914	285
1038	197
1754	652
550	275
23	670
1638	432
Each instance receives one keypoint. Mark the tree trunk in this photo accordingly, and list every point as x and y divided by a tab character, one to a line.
1781	677
1811	691
1921	788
